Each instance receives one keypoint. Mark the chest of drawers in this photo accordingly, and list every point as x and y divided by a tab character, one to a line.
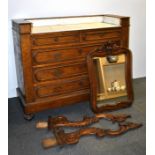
50	56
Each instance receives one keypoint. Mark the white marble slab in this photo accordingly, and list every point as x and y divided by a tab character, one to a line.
70	24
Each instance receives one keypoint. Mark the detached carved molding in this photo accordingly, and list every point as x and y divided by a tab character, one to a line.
61	138
62	121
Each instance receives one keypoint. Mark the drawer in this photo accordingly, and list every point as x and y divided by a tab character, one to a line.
55	56
50	73
100	35
55	39
62	88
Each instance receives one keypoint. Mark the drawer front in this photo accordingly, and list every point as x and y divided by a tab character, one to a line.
55	56
62	88
49	73
54	40
100	35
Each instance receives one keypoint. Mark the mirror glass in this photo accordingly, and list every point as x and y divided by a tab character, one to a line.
110	79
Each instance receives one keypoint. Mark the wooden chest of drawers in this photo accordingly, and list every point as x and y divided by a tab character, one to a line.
50	56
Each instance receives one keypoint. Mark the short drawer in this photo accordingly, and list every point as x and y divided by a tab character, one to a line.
55	39
100	35
50	73
61	88
55	56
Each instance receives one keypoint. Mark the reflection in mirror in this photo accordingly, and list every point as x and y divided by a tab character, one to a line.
110	75
110	79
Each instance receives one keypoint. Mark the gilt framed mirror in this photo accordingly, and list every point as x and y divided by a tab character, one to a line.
110	75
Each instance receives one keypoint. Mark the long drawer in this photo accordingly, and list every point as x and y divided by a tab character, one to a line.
65	87
60	55
54	73
97	35
55	38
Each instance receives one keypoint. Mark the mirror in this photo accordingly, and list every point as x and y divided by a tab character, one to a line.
109	72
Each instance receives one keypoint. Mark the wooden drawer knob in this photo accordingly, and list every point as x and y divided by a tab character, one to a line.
80	83
57	56
57	89
57	73
84	37
80	51
56	39
102	34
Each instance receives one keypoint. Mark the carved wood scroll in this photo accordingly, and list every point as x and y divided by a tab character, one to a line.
62	121
61	138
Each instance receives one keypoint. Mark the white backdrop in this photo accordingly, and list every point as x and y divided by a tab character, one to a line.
50	8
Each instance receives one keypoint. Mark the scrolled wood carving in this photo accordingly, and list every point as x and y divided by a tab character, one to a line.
109	46
62	121
61	138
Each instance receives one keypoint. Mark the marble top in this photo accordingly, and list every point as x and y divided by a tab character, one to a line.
71	24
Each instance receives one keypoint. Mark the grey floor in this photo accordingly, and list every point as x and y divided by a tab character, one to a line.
25	139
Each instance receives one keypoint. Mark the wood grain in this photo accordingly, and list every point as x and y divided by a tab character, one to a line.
40	51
